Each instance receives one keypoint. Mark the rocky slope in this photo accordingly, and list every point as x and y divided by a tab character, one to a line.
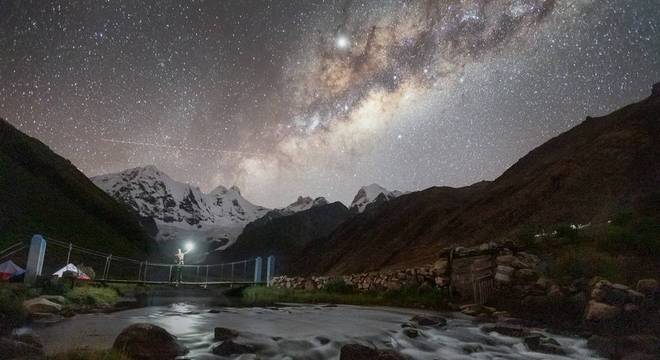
586	174
41	192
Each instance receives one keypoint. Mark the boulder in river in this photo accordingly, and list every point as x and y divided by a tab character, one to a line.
472	348
423	320
41	305
411	332
229	347
506	329
543	344
361	352
222	334
148	342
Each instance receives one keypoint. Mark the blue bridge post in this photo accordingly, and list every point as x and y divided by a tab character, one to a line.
35	262
257	270
270	269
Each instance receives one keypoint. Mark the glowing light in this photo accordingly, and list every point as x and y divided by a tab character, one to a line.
189	246
342	42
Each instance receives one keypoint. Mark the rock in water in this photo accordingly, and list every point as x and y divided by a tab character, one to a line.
422	320
148	342
506	329
224	333
361	352
544	344
411	333
357	352
229	347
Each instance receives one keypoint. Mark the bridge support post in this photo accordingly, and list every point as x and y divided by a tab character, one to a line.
270	269
35	262
257	270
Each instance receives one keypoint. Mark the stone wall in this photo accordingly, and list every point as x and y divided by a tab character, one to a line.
509	267
432	275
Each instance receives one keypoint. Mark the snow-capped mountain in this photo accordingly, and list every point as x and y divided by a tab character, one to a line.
370	194
180	210
304	203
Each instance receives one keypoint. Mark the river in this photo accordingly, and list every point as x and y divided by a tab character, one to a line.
301	332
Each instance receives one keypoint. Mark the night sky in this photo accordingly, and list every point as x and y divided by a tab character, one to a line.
288	98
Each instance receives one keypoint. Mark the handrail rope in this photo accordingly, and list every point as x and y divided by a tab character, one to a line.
13	252
66	244
11	247
121	258
96	253
196	265
79	248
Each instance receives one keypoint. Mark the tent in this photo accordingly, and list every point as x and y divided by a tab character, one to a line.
72	268
10	271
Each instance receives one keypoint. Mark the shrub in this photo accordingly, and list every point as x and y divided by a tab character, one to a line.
641	236
526	237
567	233
634	235
52	286
338	286
581	262
87	270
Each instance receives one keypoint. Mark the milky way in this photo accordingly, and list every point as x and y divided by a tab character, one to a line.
318	97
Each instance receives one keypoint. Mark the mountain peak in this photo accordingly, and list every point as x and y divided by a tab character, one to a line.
235	189
369	194
146	169
306	202
219	190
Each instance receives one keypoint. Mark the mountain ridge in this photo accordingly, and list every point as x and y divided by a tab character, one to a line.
601	166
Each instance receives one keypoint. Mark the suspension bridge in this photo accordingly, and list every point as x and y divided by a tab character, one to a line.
43	256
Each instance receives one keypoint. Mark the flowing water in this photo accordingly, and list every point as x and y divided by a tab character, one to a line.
302	332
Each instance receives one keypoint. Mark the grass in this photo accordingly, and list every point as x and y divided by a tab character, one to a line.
92	295
86	354
406	297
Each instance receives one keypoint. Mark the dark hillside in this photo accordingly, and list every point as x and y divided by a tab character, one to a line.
41	192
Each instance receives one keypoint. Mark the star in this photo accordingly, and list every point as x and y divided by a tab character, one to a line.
342	42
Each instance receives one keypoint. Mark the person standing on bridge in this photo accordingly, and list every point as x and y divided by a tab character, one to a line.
179	260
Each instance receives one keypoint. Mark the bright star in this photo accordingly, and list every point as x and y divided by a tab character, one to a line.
342	42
